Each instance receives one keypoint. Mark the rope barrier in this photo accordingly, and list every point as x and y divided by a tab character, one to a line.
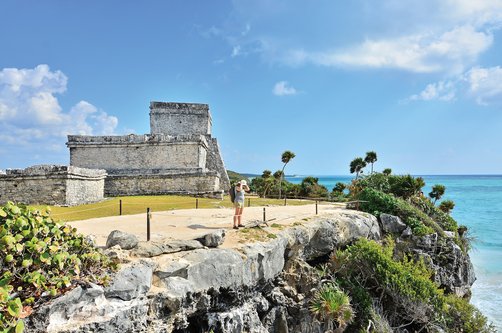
158	203
83	210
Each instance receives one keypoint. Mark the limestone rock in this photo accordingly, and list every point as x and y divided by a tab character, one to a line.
158	247
85	309
124	240
213	239
130	282
392	224
320	237
116	253
407	232
453	269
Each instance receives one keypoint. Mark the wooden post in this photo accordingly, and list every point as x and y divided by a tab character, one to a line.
249	202
316	207
196	203
285	201
120	207
148	224
264	215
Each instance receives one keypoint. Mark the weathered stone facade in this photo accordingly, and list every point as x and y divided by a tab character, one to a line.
178	156
180	118
52	184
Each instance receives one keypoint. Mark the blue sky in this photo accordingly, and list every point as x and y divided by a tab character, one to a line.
419	82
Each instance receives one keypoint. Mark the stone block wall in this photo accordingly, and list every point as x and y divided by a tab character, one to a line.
179	118
164	182
52	185
131	152
215	162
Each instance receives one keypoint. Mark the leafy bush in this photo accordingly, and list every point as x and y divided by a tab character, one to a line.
464	317
377	181
443	219
404	290
310	187
41	258
376	202
405	186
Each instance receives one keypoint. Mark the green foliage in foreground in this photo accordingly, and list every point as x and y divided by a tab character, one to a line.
376	202
404	290
41	258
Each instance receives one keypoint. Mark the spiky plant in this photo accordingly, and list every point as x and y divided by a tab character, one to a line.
331	304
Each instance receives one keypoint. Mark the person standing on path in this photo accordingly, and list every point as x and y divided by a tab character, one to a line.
240	188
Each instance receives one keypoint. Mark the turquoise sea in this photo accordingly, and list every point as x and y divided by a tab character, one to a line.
478	205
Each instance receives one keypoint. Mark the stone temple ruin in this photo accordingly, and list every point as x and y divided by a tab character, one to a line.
179	156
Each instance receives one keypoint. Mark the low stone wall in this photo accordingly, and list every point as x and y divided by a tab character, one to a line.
163	182
52	185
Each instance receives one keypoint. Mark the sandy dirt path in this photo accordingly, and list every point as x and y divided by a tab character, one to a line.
192	223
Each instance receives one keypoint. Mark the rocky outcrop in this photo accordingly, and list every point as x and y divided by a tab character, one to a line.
452	267
259	287
195	289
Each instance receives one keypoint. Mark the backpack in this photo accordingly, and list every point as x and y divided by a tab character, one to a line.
231	192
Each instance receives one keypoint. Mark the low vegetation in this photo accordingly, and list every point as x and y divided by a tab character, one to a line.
376	280
390	289
41	258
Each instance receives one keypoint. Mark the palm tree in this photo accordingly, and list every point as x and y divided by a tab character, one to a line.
387	171
357	166
447	206
286	157
339	187
266	174
437	192
267	181
371	157
419	183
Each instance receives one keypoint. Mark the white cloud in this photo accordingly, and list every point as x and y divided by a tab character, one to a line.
422	53
430	36
478	12
30	113
236	50
283	88
442	90
484	85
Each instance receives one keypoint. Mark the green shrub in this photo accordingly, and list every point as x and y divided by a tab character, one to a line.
374	264
311	188
403	288
461	316
41	258
443	219
376	181
405	186
376	202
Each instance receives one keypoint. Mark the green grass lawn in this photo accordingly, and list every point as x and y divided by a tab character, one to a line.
139	204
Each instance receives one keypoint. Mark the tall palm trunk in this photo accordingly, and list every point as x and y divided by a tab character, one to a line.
280	180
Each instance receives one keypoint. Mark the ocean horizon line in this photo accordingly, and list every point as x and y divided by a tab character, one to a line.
416	175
